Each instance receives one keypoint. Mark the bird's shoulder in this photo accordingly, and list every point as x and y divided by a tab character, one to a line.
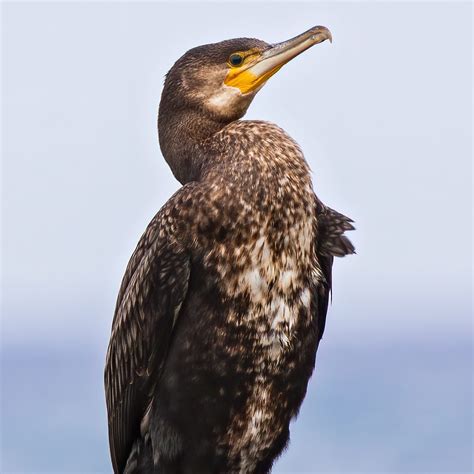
165	229
259	165
258	136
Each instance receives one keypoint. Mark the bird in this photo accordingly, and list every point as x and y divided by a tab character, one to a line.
224	300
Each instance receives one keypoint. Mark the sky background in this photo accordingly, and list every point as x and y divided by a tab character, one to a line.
384	118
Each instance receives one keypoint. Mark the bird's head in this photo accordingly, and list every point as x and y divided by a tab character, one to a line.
221	79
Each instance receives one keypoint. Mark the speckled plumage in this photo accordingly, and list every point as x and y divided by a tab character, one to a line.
224	300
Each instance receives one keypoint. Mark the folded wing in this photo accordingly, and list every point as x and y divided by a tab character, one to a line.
152	292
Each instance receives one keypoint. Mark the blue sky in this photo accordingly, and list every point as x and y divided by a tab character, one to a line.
384	118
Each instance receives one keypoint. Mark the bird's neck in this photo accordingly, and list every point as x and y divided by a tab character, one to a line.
185	140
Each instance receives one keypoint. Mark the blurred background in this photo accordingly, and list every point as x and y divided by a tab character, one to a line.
384	118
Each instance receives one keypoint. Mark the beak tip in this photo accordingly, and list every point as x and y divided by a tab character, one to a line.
324	32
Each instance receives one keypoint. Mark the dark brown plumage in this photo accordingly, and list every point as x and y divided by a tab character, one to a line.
224	301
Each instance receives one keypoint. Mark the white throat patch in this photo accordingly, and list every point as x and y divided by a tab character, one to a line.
228	101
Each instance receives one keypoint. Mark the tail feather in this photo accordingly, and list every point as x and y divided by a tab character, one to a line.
331	228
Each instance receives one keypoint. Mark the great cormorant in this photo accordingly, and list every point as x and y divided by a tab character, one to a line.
224	300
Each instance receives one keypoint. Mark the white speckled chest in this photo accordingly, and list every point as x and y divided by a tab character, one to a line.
273	284
278	302
276	286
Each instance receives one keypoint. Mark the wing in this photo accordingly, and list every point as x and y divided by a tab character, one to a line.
331	243
149	300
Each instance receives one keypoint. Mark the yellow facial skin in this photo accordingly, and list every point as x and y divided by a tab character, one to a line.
246	81
259	65
243	78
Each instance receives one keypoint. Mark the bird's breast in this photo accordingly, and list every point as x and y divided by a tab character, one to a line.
267	288
270	314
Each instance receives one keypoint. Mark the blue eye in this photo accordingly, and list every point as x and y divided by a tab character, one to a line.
236	59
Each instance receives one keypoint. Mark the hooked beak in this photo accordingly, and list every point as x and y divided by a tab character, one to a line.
253	77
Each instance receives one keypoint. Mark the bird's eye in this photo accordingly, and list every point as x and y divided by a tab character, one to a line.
236	59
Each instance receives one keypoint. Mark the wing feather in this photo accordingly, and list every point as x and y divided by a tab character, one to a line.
152	291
